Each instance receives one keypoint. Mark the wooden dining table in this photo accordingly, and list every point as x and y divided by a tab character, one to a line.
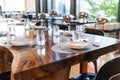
33	62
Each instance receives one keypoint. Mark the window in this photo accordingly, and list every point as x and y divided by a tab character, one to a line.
96	8
63	6
49	5
41	6
12	5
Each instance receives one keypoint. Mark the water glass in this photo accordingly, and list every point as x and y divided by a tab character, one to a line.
56	30
40	38
11	33
81	30
75	36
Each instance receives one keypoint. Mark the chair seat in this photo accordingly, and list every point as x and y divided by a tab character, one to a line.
85	76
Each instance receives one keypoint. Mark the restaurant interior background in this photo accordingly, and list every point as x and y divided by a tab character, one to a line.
95	8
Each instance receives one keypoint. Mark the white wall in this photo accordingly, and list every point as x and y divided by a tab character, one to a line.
30	5
12	5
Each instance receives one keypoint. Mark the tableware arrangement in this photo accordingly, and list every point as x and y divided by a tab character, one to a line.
76	36
71	47
40	38
19	42
61	48
78	45
56	30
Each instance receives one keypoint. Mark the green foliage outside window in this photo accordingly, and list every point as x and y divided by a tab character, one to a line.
107	7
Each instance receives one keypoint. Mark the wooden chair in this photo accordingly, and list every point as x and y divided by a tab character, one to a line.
109	71
100	22
6	58
95	32
42	18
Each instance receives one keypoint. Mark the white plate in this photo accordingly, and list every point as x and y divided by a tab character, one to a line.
41	27
78	45
68	33
20	42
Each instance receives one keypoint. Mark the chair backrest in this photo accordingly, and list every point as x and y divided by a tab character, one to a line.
43	16
101	20
110	70
67	17
53	13
94	31
83	15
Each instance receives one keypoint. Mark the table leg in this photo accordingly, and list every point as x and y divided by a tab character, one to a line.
2	63
84	67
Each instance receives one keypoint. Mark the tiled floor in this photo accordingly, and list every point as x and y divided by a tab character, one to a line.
101	60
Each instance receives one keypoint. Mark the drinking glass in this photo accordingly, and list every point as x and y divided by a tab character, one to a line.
40	37
11	33
81	30
75	36
56	30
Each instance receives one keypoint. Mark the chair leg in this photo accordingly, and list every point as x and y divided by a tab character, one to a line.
95	65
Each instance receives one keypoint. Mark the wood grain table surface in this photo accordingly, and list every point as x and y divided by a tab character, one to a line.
33	62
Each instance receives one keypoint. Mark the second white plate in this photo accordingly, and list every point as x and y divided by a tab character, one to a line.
21	42
78	45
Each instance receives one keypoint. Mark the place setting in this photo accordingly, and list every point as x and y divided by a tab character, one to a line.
71	47
37	40
79	41
22	39
19	42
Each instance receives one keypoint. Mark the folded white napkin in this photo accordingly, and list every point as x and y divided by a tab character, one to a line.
116	25
108	26
68	33
99	26
91	26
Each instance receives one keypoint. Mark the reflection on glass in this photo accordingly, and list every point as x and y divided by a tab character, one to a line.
41	6
42	56
56	39
40	38
49	5
41	51
61	6
56	30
